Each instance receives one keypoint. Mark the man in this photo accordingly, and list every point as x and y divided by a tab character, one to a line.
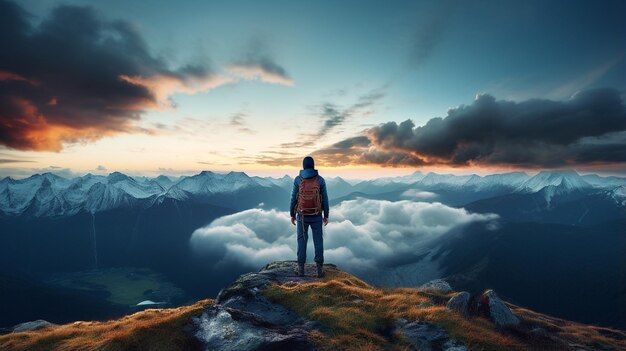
309	201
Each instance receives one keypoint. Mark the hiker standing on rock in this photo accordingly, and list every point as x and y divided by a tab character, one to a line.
308	201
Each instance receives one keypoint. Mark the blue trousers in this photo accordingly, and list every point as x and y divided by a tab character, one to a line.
303	238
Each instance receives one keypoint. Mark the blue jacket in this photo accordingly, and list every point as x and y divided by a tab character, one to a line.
306	174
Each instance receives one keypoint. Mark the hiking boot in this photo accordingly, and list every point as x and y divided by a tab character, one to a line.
300	271
320	270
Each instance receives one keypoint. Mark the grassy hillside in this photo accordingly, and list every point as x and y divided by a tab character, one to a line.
351	315
147	330
360	317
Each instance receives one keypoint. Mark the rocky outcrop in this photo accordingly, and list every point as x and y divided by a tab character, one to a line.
439	285
33	325
488	304
244	319
492	306
425	336
459	303
245	292
273	273
227	329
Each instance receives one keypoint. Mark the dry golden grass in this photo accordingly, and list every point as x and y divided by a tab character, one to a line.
476	332
359	316
577	333
153	329
356	316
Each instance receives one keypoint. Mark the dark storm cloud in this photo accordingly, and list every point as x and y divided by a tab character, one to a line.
358	150
358	141
77	77
588	128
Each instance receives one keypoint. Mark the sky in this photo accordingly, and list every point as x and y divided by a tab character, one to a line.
368	88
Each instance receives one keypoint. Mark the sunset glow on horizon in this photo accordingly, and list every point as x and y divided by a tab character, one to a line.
154	88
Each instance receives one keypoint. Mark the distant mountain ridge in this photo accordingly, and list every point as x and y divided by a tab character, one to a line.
49	195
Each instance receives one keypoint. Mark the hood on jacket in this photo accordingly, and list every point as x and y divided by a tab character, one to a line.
308	162
308	173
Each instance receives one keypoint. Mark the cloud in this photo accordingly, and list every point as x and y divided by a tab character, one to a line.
258	64
418	194
245	238
362	235
430	33
263	69
238	120
586	129
12	160
332	118
18	173
101	168
585	80
76	77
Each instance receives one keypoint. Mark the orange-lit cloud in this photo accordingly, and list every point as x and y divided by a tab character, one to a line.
8	76
162	86
29	129
81	78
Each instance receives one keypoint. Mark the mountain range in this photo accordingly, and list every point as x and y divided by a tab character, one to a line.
49	195
558	232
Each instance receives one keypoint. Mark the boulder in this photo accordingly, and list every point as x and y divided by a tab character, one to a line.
459	303
492	306
227	329
454	345
425	336
33	325
437	285
245	292
273	273
244	319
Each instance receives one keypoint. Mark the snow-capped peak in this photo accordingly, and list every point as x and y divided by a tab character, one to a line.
208	182
407	179
567	180
117	177
445	179
619	195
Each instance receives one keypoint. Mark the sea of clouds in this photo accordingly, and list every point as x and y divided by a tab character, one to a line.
362	234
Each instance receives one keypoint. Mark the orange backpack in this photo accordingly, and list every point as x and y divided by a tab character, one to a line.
309	197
